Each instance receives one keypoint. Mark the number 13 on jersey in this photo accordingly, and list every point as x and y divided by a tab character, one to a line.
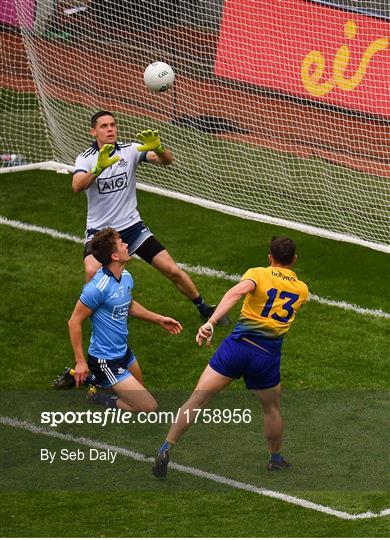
287	306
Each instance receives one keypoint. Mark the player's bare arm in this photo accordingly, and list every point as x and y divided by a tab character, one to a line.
82	180
165	158
138	311
228	301
231	297
75	323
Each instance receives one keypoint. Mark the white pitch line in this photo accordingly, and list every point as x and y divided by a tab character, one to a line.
43	230
137	456
199	270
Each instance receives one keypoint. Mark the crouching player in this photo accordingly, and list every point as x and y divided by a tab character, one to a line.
107	301
273	297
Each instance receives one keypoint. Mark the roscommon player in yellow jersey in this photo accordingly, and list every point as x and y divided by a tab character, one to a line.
273	296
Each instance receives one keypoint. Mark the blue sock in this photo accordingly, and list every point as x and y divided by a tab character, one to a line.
276	457
105	399
203	308
165	446
91	379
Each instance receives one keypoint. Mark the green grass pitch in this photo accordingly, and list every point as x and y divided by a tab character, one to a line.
334	372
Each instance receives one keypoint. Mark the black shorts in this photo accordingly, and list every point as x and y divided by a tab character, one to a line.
139	238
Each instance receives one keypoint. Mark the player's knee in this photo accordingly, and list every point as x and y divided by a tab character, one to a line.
173	272
271	409
91	266
90	271
122	404
150	406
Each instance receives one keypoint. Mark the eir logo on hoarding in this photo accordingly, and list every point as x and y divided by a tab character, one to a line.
313	66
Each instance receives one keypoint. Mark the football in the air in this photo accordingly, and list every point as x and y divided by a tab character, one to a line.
159	76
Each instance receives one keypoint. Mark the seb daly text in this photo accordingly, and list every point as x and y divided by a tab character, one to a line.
93	454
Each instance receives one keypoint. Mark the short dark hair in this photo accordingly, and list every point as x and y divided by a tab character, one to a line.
103	245
95	117
282	249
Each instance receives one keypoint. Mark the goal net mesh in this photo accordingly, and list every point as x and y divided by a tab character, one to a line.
279	108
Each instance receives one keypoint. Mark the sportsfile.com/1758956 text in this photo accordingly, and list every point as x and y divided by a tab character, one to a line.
118	416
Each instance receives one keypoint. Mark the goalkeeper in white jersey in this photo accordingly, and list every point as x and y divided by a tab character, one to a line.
106	172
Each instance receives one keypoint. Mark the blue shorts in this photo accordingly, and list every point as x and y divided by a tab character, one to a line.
139	238
235	358
134	236
110	372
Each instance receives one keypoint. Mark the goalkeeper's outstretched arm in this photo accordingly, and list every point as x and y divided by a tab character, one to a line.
82	180
165	158
157	153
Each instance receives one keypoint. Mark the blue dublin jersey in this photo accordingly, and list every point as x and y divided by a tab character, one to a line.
109	299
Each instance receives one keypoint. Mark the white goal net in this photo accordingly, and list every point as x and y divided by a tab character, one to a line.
279	109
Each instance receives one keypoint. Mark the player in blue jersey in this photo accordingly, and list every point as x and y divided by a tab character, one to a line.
107	300
273	295
106	172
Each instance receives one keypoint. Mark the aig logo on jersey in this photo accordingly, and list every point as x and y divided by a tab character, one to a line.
112	184
120	312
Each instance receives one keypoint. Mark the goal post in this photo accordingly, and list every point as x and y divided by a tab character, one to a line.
280	110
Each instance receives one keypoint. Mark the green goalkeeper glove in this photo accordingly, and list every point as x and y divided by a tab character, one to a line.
104	160
151	141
